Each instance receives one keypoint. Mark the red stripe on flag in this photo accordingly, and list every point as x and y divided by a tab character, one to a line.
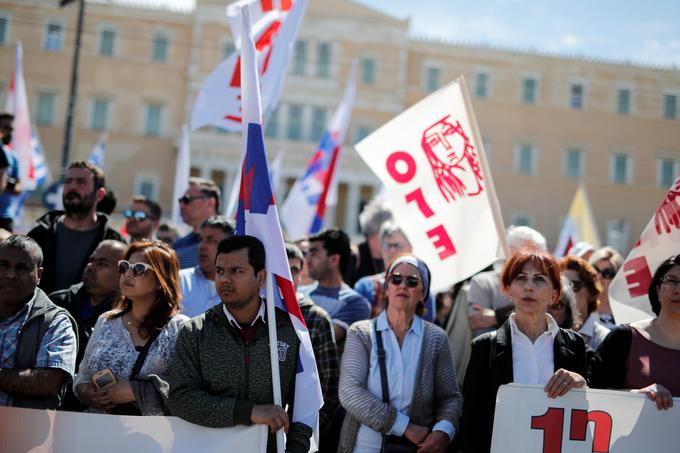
289	298
266	5
286	5
321	210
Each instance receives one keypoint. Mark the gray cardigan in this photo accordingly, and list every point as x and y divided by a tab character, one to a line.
436	396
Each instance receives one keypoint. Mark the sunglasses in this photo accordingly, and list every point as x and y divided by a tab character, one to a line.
186	199
138	269
397	279
607	273
578	285
139	216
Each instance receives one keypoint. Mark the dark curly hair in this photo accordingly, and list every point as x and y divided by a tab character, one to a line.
653	291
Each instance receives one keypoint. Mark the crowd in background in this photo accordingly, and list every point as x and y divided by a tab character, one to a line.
151	323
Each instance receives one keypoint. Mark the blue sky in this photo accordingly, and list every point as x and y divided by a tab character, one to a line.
646	32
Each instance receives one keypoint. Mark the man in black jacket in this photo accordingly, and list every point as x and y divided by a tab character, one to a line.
69	237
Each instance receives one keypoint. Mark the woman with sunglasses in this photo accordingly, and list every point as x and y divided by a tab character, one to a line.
607	263
529	348
645	356
135	341
587	288
408	394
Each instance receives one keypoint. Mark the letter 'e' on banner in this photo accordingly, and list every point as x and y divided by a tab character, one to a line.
431	160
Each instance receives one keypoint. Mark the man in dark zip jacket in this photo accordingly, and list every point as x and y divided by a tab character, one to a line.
38	344
68	238
221	373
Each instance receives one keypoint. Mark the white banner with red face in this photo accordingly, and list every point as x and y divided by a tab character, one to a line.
429	161
659	241
582	421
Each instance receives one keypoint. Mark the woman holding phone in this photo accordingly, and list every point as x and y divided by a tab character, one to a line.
126	360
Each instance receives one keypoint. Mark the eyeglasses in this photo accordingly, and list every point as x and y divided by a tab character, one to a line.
186	199
139	216
578	285
396	246
607	273
670	283
138	269
397	279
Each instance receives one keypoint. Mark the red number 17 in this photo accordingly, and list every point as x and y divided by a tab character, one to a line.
553	420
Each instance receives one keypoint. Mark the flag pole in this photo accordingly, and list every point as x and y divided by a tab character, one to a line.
274	355
486	172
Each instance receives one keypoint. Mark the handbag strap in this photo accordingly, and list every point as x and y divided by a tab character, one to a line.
139	363
381	363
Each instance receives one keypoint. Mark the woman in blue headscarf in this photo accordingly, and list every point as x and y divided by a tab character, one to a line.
397	381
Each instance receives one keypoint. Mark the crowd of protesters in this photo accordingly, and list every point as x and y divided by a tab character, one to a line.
154	323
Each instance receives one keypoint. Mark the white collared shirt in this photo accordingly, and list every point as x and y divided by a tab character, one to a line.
234	322
533	363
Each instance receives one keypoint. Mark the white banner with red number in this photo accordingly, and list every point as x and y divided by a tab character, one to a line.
659	241
582	421
430	161
32	430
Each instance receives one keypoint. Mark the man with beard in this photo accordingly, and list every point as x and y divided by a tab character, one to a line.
87	300
69	237
198	283
12	186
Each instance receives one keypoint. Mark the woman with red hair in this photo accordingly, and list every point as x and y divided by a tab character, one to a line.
135	341
530	348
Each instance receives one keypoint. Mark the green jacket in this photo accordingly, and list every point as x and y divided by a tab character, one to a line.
216	378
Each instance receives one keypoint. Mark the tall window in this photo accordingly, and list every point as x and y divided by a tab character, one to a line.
227	49
573	163
318	123
482	85
522	219
525	159
272	126
53	36
99	118
4	29
529	90
107	42
360	133
147	185
294	122
576	96
300	58
161	44
670	106
45	114
152	120
621	168
432	78
623	101
666	171
323	67
368	70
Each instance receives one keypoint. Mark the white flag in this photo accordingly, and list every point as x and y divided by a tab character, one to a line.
659	241
182	169
430	159
22	136
275	29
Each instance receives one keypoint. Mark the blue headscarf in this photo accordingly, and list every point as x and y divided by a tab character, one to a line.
420	266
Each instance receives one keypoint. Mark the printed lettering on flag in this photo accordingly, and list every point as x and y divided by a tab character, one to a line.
429	160
659	241
275	29
257	216
303	212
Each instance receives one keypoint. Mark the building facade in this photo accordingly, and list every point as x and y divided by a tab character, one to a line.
549	123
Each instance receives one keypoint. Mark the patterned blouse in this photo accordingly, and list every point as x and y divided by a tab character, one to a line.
111	346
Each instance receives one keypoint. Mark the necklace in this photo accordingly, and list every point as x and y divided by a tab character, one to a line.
130	321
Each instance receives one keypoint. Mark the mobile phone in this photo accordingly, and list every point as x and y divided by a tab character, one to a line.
104	378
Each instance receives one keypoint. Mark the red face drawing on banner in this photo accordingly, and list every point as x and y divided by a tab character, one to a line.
668	214
453	160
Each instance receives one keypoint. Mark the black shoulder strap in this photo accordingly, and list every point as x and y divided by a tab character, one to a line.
492	350
381	362
139	363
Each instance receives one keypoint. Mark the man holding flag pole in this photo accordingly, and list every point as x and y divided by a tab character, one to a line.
244	327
